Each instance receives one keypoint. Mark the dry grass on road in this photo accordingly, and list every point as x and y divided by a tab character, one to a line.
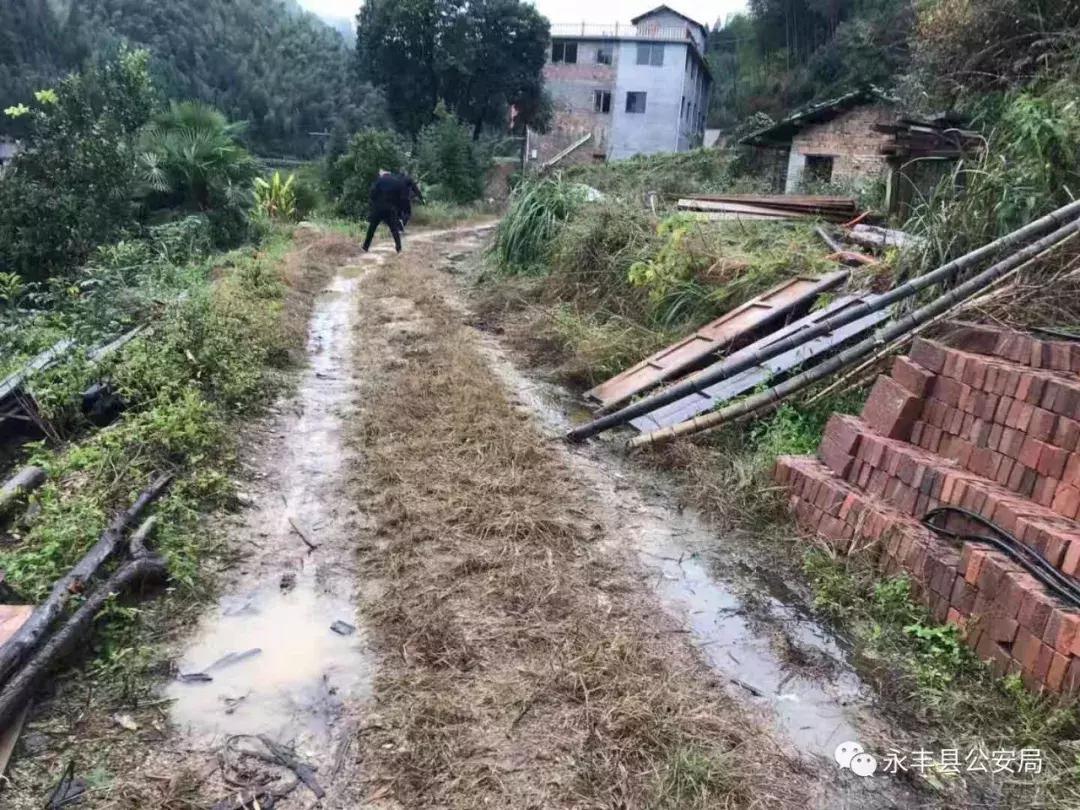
522	663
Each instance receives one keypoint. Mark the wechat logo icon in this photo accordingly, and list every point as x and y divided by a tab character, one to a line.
852	756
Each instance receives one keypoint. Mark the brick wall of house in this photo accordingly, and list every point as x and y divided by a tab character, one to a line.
571	88
850	139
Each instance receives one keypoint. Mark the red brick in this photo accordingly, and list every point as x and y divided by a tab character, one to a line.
891	409
1026	649
948	391
1071	475
1062	630
1052	462
1042	664
1035	612
1066	501
928	354
1001	629
1042	425
1066	434
976	338
1005	403
1070	565
963	595
912	376
1012	442
1072	677
1045	489
1005	470
1055	676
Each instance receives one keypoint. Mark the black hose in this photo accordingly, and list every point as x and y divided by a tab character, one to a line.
1030	560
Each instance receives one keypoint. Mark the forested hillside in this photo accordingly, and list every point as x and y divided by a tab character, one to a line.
262	61
786	52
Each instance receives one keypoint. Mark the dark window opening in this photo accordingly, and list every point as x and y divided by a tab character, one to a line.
819	168
649	54
603	55
635	102
562	51
601	101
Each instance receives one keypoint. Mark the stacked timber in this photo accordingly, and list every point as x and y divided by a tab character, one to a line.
770	207
914	138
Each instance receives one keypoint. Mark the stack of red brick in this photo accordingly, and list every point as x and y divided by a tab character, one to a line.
991	423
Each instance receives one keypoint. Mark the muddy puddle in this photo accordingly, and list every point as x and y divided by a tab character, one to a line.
772	656
282	653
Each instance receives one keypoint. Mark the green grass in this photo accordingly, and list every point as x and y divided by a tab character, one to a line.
210	358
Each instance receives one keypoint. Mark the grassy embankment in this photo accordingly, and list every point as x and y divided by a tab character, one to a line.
603	284
223	331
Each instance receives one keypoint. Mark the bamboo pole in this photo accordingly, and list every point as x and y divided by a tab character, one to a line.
741	361
855	353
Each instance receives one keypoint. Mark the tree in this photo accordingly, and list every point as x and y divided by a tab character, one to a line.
262	61
479	57
73	187
455	162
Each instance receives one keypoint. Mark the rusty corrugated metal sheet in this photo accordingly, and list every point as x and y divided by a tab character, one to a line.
768	309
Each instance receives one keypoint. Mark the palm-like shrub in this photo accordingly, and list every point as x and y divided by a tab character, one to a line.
190	156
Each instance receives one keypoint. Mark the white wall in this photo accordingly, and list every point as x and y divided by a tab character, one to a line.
658	130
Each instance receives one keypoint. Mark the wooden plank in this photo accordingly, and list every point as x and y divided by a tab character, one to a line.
745	382
738	208
767	310
12	617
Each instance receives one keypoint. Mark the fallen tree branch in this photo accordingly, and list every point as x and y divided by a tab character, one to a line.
22	483
28	637
22	685
285	758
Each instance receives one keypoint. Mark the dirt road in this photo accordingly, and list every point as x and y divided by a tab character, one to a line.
435	603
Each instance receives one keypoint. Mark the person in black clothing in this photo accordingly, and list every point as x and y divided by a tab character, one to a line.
388	193
412	192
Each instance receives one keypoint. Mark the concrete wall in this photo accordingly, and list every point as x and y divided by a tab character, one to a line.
850	139
658	129
571	88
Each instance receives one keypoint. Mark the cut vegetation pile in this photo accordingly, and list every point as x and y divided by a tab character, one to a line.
491	577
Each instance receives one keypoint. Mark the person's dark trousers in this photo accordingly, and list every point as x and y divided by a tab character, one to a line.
393	222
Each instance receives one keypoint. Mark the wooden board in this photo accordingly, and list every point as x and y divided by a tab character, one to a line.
746	381
767	310
12	617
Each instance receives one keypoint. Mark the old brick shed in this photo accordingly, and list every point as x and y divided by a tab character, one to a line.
837	141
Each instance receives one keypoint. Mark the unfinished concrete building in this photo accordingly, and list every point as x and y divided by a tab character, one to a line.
620	92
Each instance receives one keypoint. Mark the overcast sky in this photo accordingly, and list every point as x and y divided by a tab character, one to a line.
570	11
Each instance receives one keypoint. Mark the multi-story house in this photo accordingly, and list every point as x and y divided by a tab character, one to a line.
620	92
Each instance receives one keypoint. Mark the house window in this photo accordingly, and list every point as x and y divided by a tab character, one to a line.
650	54
563	51
601	101
635	102
603	55
819	168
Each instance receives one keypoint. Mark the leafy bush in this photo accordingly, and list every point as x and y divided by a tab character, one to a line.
538	209
350	177
451	160
73	186
1030	166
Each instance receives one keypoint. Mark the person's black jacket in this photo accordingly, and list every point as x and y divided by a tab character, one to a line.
389	195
